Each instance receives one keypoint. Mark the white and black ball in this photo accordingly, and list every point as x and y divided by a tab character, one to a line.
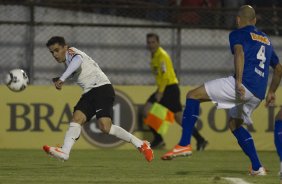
16	80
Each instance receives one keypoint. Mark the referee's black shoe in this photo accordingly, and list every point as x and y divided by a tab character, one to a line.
157	144
201	145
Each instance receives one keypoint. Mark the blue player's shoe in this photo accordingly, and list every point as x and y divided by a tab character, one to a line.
260	172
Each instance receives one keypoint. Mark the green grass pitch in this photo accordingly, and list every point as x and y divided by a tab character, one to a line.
107	166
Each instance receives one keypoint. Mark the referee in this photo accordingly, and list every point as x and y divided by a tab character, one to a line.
167	93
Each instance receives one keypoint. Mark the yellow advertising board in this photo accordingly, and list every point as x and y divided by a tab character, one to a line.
40	115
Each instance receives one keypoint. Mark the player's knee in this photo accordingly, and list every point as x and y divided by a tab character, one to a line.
234	123
191	94
105	125
103	128
79	118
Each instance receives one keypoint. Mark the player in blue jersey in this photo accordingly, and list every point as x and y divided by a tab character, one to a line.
241	93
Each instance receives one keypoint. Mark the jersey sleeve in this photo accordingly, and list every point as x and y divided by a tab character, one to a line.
235	37
274	60
73	66
164	73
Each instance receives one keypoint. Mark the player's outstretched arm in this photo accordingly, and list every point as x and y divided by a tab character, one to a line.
73	66
276	78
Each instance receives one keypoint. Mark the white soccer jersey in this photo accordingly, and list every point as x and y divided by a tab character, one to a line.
88	74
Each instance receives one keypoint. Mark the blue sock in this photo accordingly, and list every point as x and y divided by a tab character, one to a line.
278	137
190	116
246	142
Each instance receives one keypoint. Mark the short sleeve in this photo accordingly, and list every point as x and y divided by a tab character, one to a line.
235	37
274	60
164	63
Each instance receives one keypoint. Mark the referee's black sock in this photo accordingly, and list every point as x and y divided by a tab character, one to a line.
197	135
157	137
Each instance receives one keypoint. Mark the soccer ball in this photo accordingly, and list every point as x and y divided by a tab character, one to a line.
16	80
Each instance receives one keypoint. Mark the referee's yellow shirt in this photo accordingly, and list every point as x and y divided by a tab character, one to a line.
163	70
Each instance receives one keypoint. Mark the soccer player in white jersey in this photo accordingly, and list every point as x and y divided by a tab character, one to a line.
241	93
97	99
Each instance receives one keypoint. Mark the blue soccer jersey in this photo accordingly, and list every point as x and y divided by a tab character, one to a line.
258	55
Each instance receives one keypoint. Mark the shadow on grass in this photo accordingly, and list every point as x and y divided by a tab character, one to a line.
211	172
183	173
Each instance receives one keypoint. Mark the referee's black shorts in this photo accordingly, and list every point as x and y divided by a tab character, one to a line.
98	101
170	99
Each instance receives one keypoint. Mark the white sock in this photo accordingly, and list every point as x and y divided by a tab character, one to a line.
136	142
71	136
280	167
126	136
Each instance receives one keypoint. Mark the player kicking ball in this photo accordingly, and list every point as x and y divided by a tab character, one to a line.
97	99
241	93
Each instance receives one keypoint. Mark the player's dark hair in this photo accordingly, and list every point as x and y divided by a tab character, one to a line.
149	35
56	39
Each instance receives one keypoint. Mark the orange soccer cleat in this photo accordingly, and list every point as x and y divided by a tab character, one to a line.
147	151
56	152
178	151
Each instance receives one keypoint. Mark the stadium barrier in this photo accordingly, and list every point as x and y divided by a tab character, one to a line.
40	115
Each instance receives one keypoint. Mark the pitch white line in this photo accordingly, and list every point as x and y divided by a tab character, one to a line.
236	180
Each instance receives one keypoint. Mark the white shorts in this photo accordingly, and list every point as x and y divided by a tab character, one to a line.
222	93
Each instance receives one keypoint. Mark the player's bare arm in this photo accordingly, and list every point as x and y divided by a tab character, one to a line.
160	90
276	78
239	67
164	81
